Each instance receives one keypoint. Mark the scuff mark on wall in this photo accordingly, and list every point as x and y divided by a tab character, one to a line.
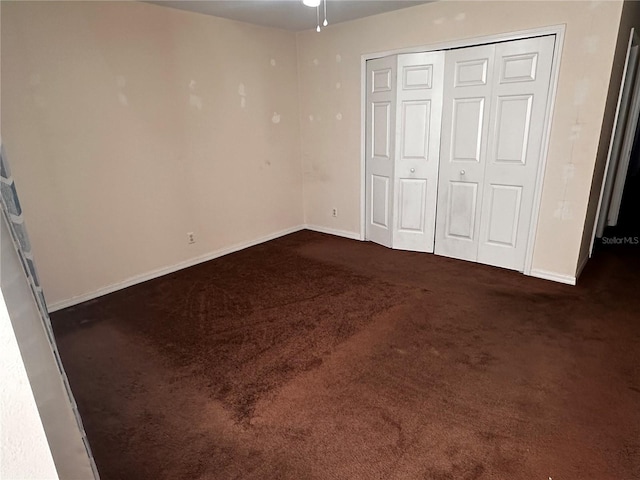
460	17
338	58
34	82
194	100
275	118
243	95
591	43
339	116
338	85
575	131
563	210
316	62
272	62
439	20
311	118
121	82
580	92
568	172
122	98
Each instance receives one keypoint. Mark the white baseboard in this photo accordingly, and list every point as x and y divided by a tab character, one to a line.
166	270
554	277
332	231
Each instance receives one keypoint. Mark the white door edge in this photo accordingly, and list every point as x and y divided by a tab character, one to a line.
557	30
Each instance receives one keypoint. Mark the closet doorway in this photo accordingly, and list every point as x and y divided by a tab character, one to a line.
455	142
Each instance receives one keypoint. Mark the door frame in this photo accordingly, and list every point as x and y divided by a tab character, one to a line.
618	135
557	30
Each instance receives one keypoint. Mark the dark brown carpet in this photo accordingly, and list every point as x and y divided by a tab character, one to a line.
315	357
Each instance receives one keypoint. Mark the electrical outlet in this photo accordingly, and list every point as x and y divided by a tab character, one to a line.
191	238
334	212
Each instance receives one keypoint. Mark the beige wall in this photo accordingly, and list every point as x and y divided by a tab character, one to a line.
24	451
630	18
331	146
125	130
129	125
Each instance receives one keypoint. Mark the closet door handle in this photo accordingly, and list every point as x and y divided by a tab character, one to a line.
413	170
461	172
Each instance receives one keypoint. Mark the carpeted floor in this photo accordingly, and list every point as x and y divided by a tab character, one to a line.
316	357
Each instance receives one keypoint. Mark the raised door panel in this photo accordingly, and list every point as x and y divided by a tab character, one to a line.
461	210
466	135
512	128
380	129
503	210
416	116
412	205
380	201
381	79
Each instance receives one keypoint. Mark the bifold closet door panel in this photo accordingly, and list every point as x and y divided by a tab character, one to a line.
522	70
468	79
418	114
380	149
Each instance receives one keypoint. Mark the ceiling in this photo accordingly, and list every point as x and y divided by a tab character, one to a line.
288	14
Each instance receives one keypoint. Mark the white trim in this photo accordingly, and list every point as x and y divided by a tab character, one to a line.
474	41
363	147
559	32
333	231
581	266
170	269
554	277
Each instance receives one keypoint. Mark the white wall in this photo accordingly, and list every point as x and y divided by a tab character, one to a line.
129	125
329	71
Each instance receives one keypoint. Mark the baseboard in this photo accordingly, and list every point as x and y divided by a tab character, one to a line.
554	277
166	270
333	231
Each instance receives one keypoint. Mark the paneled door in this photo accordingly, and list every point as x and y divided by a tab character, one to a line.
380	148
418	113
522	74
465	118
493	124
404	107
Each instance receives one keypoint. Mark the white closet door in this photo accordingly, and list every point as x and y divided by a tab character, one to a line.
418	113
522	72
465	124
380	148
